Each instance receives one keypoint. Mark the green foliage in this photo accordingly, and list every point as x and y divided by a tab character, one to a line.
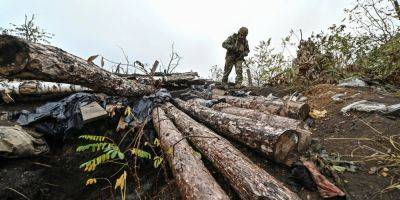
110	151
96	138
141	153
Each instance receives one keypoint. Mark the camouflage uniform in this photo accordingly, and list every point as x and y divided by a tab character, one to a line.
237	48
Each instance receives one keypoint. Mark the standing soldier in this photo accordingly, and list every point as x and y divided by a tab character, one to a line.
237	48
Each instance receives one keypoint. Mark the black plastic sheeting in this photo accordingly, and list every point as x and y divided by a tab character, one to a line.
58	119
61	119
142	110
198	91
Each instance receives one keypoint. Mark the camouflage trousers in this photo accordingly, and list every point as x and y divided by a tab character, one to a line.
229	63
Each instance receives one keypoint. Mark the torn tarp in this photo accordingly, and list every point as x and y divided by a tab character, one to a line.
58	119
198	91
143	109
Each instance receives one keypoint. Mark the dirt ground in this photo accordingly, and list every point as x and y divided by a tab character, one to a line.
341	135
56	175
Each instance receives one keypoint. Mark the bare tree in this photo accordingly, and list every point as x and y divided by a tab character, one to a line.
174	60
28	31
377	18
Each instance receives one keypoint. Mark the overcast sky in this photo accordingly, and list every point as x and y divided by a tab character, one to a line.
147	28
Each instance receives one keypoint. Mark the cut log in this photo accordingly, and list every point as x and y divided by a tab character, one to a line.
38	88
292	109
168	79
192	177
278	144
248	180
268	118
33	61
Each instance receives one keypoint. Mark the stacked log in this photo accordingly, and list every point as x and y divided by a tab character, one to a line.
248	180
276	143
267	118
192	177
292	109
33	61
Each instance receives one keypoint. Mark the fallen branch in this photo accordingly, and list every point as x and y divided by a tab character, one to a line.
249	180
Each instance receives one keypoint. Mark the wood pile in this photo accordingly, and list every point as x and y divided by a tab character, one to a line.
272	127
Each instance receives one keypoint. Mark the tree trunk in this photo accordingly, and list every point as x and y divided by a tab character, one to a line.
292	109
267	118
27	60
276	143
192	177
249	180
39	88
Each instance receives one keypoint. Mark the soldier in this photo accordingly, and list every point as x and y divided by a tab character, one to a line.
237	48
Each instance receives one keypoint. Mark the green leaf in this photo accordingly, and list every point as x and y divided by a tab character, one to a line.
156	142
339	168
157	161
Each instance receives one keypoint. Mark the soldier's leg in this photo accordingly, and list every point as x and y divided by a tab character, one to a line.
227	69
239	72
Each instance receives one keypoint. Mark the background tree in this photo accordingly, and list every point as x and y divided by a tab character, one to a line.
29	31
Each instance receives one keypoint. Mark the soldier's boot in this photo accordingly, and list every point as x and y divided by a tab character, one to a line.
239	73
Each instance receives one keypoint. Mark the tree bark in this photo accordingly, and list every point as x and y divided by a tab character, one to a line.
278	144
192	177
248	180
292	109
26	60
267	118
32	87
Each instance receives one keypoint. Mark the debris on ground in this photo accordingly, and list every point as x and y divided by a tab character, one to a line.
352	82
16	142
369	106
337	97
58	119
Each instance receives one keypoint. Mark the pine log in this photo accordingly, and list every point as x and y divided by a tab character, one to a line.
248	179
193	179
268	118
33	61
292	109
278	144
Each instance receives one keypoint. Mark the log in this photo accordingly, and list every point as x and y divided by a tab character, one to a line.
33	61
193	179
292	109
248	179
267	118
38	88
168	79
278	144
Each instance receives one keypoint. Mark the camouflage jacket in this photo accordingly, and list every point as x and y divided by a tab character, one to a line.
236	47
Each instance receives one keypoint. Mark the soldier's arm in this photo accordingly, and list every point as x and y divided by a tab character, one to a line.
228	43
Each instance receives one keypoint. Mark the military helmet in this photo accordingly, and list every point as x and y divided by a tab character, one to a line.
243	31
